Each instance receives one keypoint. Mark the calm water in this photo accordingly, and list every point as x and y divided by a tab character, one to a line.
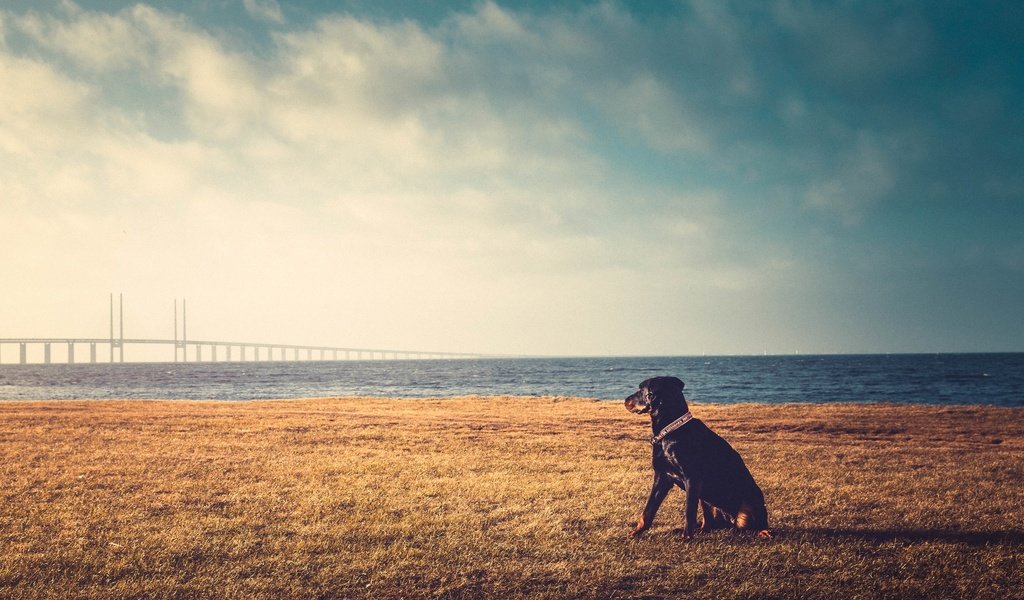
996	379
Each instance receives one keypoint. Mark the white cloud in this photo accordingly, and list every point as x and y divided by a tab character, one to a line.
491	23
97	41
264	10
645	107
40	112
35	92
219	86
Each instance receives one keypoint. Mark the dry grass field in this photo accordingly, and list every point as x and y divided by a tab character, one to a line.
496	497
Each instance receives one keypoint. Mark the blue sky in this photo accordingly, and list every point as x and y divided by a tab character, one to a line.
518	177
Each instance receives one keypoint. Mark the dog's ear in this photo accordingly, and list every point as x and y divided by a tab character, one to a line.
665	383
656	386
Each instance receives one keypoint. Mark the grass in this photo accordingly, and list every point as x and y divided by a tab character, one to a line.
496	497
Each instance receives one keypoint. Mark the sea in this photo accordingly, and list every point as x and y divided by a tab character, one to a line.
943	379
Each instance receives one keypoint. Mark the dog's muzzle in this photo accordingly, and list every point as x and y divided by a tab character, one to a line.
637	403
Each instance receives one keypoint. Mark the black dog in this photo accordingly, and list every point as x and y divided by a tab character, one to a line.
688	454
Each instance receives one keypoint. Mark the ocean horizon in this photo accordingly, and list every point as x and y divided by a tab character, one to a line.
943	379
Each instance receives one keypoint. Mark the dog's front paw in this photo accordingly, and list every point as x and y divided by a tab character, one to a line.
641	527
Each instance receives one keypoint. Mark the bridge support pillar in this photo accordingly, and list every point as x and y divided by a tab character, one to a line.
24	353
92	352
241	350
199	353
213	351
71	353
46	353
256	353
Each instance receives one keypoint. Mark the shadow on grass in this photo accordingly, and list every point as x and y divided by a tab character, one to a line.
1013	537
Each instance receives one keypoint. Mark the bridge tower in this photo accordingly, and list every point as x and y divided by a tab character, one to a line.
117	343
184	332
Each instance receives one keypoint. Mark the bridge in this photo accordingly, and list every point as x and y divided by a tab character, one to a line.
215	351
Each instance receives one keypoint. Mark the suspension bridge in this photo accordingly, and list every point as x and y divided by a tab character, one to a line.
112	348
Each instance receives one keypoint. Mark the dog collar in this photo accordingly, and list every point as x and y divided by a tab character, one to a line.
683	420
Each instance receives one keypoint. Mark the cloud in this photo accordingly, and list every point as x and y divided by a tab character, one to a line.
264	10
856	50
97	41
491	23
36	94
645	108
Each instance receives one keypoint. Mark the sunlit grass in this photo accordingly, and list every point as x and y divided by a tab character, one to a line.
498	497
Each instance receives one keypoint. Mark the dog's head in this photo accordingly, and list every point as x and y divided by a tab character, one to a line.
657	392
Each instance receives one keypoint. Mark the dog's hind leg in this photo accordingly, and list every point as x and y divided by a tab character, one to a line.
713	518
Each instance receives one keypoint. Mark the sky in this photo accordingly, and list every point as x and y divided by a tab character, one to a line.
528	178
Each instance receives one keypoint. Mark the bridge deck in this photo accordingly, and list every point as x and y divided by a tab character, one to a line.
198	345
